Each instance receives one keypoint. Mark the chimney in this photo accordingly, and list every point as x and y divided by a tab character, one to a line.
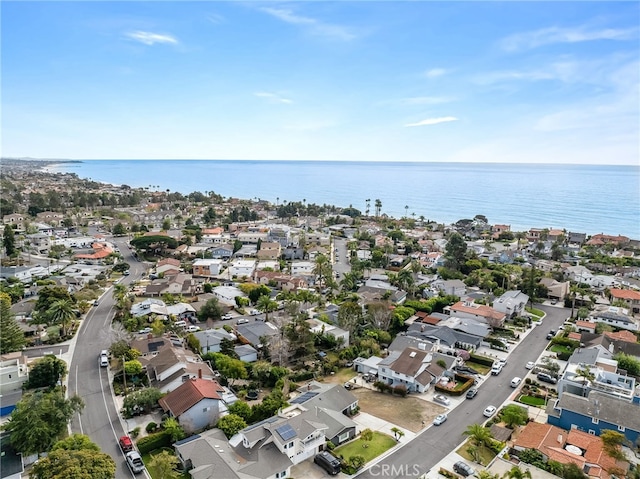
200	373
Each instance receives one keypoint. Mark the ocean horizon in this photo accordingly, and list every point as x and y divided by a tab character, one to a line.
581	198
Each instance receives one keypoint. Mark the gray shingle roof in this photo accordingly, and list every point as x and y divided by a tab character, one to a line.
609	409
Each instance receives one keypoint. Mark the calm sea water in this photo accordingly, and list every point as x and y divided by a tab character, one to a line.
581	198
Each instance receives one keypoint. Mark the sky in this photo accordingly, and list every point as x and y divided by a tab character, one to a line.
516	82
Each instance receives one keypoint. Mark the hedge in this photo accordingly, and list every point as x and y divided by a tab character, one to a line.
154	441
485	361
302	376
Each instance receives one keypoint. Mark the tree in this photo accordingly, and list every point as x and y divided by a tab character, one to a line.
397	433
455	251
572	471
266	305
242	409
211	310
613	441
231	424
479	434
74	464
514	415
9	241
133	367
378	207
119	230
349	316
487	475
231	368
625	361
61	312
141	400
76	442
12	337
516	473
585	373
550	365
39	420
165	465
366	436
46	372
173	428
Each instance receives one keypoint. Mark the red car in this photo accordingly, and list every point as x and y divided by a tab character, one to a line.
126	444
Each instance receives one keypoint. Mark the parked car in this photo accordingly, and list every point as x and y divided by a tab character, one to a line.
126	444
254	312
515	382
328	462
135	462
463	469
96	303
471	393
145	330
440	418
441	399
226	316
546	378
550	336
530	365
489	411
192	329
496	369
242	321
103	359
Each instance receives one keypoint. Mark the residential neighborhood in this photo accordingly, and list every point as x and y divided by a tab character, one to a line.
255	340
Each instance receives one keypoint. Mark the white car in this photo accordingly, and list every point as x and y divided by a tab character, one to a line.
440	418
254	312
515	382
441	399
489	411
192	329
530	365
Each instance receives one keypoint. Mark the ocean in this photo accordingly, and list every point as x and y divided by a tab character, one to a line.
580	198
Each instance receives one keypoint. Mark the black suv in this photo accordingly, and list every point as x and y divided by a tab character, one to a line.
463	469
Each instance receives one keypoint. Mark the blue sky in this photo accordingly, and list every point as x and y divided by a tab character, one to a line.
551	82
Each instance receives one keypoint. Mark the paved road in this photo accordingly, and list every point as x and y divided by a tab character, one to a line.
99	418
430	447
341	266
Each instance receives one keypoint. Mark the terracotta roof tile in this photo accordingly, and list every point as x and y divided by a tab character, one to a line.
189	394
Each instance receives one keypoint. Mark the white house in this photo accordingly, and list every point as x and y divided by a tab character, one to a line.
302	268
412	368
511	303
195	404
227	294
339	334
13	374
171	367
616	317
207	267
211	339
242	267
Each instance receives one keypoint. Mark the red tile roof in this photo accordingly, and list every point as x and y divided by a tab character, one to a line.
625	294
626	336
189	394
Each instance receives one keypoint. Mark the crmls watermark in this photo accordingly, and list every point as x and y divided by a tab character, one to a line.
395	470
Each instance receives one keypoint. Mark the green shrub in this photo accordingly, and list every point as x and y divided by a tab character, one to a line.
400	390
154	441
151	427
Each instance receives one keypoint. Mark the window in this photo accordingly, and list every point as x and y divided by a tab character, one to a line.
343	437
592	432
279	475
289	446
595	420
621	428
206	409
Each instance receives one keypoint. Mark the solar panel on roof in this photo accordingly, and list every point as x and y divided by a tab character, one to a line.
156	345
304	397
286	432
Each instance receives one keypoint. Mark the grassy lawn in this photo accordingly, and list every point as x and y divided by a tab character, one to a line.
341	376
486	454
531	401
535	312
558	348
379	444
146	458
481	368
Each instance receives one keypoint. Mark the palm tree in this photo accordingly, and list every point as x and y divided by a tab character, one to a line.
378	207
368	203
322	268
119	294
61	312
406	211
266	305
487	475
586	375
478	434
516	473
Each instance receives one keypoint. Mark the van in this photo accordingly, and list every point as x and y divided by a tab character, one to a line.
180	324
328	462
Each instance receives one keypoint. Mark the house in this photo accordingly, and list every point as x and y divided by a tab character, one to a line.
616	317
173	283
367	365
253	237
482	312
412	368
566	447
269	250
511	303
50	217
246	353
320	327
556	289
602	239
242	267
401	342
149	346
447	339
596	413
302	268
207	267
227	294
210	455
16	220
253	332
629	296
453	287
149	308
211	339
172	366
167	264
195	404
585	326
221	252
11	464
14	372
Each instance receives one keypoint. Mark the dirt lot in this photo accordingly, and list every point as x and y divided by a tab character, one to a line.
408	412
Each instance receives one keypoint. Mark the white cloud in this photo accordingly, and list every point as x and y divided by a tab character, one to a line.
546	36
316	27
433	121
215	18
273	97
150	38
435	72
